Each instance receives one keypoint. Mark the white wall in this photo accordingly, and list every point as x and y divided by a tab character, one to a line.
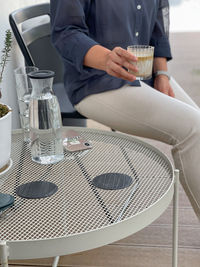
184	16
8	85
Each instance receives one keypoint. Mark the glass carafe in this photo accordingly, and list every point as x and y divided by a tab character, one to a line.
45	120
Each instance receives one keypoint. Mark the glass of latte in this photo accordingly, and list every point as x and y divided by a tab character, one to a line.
145	54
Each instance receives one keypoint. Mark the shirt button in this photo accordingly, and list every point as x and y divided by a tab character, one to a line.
137	33
139	7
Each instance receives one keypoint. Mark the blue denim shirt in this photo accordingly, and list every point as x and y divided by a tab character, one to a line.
77	25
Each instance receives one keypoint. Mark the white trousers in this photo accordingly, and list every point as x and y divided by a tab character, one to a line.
145	112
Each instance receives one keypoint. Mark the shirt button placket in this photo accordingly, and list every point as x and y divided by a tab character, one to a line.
138	8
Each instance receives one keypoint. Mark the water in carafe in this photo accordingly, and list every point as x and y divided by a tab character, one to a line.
45	120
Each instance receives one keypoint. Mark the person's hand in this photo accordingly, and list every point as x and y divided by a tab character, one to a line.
117	60
161	83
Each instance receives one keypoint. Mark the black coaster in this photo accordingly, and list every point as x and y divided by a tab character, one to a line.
37	189
5	201
112	181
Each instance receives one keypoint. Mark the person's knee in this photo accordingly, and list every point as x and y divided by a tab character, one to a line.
195	122
188	128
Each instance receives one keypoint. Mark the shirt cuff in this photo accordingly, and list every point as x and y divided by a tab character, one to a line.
162	48
78	46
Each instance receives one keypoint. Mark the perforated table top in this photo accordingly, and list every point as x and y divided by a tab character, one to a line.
78	206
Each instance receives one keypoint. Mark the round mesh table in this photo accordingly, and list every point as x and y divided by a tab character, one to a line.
81	216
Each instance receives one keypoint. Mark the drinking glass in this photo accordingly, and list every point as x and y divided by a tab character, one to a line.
145	54
24	89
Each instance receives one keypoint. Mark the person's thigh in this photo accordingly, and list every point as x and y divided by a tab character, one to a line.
142	111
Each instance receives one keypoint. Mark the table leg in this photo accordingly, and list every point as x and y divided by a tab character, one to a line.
55	261
175	219
4	254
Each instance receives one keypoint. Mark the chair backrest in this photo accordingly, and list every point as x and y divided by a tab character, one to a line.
31	27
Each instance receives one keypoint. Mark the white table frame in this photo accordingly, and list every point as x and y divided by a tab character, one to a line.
98	237
94	239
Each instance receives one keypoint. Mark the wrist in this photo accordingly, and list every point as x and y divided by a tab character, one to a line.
162	73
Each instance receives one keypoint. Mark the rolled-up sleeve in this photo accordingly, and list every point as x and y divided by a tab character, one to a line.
70	34
159	37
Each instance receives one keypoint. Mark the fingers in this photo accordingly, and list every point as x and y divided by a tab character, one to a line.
164	91
168	91
171	92
125	54
123	62
117	60
117	71
162	84
126	59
